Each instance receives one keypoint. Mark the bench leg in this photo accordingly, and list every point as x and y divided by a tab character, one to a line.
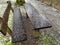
36	34
27	16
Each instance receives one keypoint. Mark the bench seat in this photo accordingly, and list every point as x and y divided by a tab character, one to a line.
38	21
18	32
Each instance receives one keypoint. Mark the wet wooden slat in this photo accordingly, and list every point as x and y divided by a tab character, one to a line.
38	20
8	29
5	19
0	23
18	33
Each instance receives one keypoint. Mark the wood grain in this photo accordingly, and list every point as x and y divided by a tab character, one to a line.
18	33
5	19
38	20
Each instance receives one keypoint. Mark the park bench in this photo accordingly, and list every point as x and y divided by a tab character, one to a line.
38	20
18	32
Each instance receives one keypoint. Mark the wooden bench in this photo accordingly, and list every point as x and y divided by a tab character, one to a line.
38	20
18	32
4	20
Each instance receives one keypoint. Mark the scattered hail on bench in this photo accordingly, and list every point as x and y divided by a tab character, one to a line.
18	33
38	20
4	20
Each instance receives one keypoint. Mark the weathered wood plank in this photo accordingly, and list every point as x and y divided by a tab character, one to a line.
8	29
5	19
52	15
18	33
38	20
30	33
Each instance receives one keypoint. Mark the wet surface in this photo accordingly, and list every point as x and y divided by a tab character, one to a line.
53	15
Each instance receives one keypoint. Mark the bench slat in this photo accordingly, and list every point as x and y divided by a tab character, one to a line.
8	29
38	20
5	19
18	33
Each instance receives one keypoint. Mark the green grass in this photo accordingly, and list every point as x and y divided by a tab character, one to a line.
47	40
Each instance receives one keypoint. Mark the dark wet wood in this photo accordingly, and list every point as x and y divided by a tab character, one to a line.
5	19
18	33
29	31
38	20
8	29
